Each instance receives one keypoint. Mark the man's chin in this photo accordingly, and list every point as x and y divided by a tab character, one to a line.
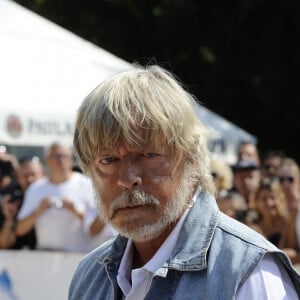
140	233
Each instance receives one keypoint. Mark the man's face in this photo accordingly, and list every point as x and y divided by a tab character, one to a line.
246	181
289	180
141	191
267	203
59	159
271	166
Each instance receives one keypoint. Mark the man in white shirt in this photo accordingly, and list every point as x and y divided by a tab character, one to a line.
138	138
55	206
97	229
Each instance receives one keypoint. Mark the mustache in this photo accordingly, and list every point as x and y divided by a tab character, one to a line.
132	198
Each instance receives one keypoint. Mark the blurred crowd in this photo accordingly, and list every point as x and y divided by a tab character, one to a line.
263	192
50	205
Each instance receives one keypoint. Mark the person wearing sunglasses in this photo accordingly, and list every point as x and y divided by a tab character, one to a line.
271	162
56	205
289	178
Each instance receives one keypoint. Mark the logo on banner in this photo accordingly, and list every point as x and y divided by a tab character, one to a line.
14	126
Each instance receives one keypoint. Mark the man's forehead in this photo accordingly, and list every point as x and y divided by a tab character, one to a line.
61	149
134	148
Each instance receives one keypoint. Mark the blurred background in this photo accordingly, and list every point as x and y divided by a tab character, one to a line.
240	58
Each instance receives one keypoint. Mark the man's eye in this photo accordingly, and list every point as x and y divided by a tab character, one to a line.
107	160
150	154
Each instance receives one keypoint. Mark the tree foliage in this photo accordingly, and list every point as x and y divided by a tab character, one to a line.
240	58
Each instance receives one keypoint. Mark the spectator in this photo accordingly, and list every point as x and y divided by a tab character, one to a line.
289	177
271	162
8	168
10	203
141	142
29	171
246	178
96	228
234	205
271	206
248	151
56	205
12	199
222	175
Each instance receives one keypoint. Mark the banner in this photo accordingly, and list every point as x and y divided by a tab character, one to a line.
36	275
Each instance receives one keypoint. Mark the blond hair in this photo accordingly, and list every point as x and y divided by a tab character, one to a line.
224	171
291	163
142	106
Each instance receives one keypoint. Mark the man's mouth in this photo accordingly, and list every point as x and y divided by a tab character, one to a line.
126	208
129	207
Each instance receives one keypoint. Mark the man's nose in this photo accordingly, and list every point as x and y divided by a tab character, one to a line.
129	176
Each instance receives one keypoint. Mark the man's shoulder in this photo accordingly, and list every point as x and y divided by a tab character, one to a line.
97	256
244	233
91	271
37	185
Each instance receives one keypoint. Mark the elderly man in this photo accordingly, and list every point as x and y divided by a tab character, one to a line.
140	141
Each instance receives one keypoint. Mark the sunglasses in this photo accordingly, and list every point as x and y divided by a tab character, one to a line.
289	179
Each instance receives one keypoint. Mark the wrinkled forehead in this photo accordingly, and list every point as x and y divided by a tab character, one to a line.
159	145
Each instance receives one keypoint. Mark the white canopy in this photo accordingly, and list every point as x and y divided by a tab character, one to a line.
45	73
226	136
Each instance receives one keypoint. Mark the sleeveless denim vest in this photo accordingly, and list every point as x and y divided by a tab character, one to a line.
213	257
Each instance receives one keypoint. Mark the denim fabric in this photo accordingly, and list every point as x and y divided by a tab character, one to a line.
213	257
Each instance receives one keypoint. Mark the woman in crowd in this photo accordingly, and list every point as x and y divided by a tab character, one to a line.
270	204
289	177
222	175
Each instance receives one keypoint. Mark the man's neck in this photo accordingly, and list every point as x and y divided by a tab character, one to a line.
60	177
144	251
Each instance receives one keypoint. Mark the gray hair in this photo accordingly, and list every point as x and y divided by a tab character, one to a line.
142	106
56	144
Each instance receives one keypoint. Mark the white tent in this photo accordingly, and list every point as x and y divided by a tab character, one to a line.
46	71
226	136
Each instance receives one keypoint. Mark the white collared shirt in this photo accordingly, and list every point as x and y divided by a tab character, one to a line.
141	278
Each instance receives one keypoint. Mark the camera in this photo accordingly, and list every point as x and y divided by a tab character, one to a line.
6	168
14	193
56	202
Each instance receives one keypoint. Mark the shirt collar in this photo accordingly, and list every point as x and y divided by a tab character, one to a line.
162	254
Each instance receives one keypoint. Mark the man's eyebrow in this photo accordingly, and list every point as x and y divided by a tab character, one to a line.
108	149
